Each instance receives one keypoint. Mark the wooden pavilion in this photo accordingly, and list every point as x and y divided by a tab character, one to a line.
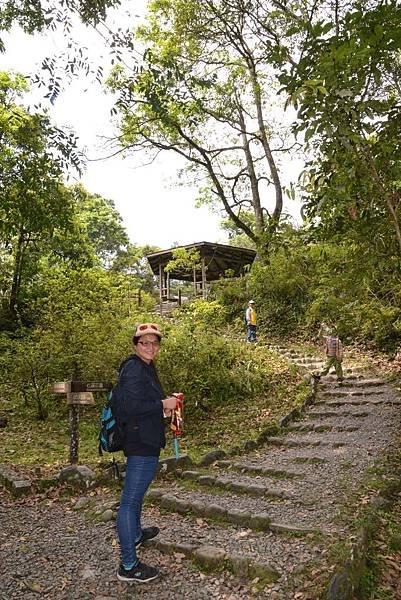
216	261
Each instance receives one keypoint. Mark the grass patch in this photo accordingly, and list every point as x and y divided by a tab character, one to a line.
28	442
382	578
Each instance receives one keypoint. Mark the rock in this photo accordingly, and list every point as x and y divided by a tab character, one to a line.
171	464
240	564
341	587
206	480
224	482
77	475
239	516
107	516
81	503
260	521
154	494
182	506
190	475
17	485
224	464
20	488
168	501
210	556
214	510
197	507
264	571
186	549
293	414
212	457
87	573
255	489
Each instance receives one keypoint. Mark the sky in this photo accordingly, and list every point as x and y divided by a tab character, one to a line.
154	208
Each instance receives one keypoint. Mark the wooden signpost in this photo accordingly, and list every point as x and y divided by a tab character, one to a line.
78	394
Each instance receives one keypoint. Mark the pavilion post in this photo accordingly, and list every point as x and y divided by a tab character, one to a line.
203	278
161	289
195	290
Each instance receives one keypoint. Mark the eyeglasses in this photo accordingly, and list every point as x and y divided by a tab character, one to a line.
155	344
148	326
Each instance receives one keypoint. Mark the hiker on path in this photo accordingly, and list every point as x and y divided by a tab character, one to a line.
250	319
142	408
334	356
324	331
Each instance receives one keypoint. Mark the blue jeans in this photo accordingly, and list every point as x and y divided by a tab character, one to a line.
251	337
138	476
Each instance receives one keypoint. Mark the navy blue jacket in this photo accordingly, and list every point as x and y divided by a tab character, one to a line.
140	407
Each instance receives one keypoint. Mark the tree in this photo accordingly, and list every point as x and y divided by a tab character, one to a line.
33	199
347	88
37	16
101	224
206	92
43	222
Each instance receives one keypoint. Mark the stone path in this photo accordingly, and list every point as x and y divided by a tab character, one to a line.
264	522
274	513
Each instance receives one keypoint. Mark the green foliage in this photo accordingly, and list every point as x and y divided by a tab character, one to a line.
346	88
203	315
84	322
101	224
232	294
37	16
184	261
212	369
206	92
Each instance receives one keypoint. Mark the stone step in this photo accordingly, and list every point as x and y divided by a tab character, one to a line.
350	376
260	556
308	361
324	414
362	382
308	426
358	402
349	393
301	443
256	469
312	460
18	485
257	514
226	482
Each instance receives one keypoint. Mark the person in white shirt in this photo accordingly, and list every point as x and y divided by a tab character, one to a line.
250	318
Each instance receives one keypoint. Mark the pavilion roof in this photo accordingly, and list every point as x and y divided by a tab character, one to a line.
218	259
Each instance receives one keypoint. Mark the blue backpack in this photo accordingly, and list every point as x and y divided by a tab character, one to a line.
111	434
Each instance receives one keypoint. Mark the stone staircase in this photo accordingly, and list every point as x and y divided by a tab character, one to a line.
273	514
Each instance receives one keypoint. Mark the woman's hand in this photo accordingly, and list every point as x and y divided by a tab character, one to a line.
169	403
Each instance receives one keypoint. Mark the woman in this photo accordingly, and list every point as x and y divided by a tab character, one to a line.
142	408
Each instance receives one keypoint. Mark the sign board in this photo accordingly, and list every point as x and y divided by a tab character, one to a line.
61	387
65	387
80	398
90	386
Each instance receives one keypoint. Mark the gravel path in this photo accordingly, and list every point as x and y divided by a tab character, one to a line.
48	550
52	552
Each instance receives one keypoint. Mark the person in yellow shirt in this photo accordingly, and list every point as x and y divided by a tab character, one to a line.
250	318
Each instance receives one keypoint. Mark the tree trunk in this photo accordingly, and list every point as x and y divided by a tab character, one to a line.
16	280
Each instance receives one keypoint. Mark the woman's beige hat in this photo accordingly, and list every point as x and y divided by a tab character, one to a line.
145	328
